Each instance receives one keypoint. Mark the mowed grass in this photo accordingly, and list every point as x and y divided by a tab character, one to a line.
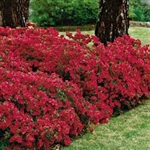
129	131
141	33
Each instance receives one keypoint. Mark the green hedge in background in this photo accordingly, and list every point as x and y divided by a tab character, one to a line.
64	12
139	10
78	12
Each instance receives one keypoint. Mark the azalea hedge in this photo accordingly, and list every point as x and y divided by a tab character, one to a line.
54	87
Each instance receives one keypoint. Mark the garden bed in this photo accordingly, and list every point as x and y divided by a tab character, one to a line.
54	87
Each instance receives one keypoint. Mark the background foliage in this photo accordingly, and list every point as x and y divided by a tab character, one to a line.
76	12
64	12
139	10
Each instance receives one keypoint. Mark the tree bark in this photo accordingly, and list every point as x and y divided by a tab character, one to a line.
14	13
113	20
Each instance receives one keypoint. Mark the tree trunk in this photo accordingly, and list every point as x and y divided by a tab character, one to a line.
113	20
1	7
14	13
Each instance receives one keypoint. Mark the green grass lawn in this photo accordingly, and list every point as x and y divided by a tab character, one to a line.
141	33
129	131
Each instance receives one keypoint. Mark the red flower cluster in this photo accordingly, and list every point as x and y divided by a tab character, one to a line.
53	87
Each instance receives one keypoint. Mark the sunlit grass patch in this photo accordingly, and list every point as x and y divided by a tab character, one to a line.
129	131
141	33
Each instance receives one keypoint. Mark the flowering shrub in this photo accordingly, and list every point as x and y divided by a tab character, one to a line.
53	87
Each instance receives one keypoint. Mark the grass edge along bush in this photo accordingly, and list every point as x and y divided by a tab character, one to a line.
54	87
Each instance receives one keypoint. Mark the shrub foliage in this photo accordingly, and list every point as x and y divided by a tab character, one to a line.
54	87
77	12
64	12
139	10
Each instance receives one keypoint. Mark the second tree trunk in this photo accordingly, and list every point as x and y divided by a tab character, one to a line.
113	20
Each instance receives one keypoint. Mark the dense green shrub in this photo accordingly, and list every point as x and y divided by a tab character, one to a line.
64	12
77	12
139	10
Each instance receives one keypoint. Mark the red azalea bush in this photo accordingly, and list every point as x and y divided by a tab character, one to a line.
35	109
52	87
